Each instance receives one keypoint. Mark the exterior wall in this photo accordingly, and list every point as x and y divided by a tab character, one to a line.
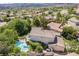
42	39
57	48
73	24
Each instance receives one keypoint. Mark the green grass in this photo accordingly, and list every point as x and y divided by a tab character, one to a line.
72	45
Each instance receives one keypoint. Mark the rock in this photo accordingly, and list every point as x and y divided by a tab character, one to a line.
39	54
49	54
48	50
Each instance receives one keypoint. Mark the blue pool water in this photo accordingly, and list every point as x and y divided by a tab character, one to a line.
23	46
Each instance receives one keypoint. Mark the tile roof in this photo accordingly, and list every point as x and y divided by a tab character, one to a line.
55	26
37	31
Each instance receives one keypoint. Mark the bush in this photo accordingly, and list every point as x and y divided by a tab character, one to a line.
36	22
77	51
5	19
72	46
4	50
16	50
2	28
44	22
71	11
39	49
34	45
9	36
23	53
69	32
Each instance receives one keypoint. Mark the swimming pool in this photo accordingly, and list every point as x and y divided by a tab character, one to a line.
23	46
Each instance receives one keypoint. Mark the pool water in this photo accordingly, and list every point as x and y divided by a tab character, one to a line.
23	46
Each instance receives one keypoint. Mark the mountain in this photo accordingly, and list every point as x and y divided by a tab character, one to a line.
21	5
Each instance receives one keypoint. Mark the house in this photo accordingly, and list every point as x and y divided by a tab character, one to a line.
1	19
49	18
58	46
46	12
77	10
73	22
30	16
2	23
49	37
45	36
55	27
64	12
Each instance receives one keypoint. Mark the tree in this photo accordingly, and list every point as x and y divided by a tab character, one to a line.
9	36
7	39
36	22
5	19
59	18
69	32
43	22
3	49
21	26
71	10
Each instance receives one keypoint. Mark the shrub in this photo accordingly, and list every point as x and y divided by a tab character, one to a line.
71	10
5	19
23	53
34	45
16	50
72	46
69	32
9	36
36	22
77	51
4	49
39	49
44	22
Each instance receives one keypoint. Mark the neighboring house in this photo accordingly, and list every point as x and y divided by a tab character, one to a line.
55	27
11	14
46	12
64	12
74	22
77	10
49	37
30	16
49	18
55	13
39	14
2	23
11	18
1	20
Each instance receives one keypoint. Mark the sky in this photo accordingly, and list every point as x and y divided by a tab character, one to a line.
39	1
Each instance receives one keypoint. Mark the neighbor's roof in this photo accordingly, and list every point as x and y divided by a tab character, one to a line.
74	19
37	31
64	11
2	23
48	17
55	26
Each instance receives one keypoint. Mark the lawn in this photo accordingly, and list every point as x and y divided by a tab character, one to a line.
71	45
